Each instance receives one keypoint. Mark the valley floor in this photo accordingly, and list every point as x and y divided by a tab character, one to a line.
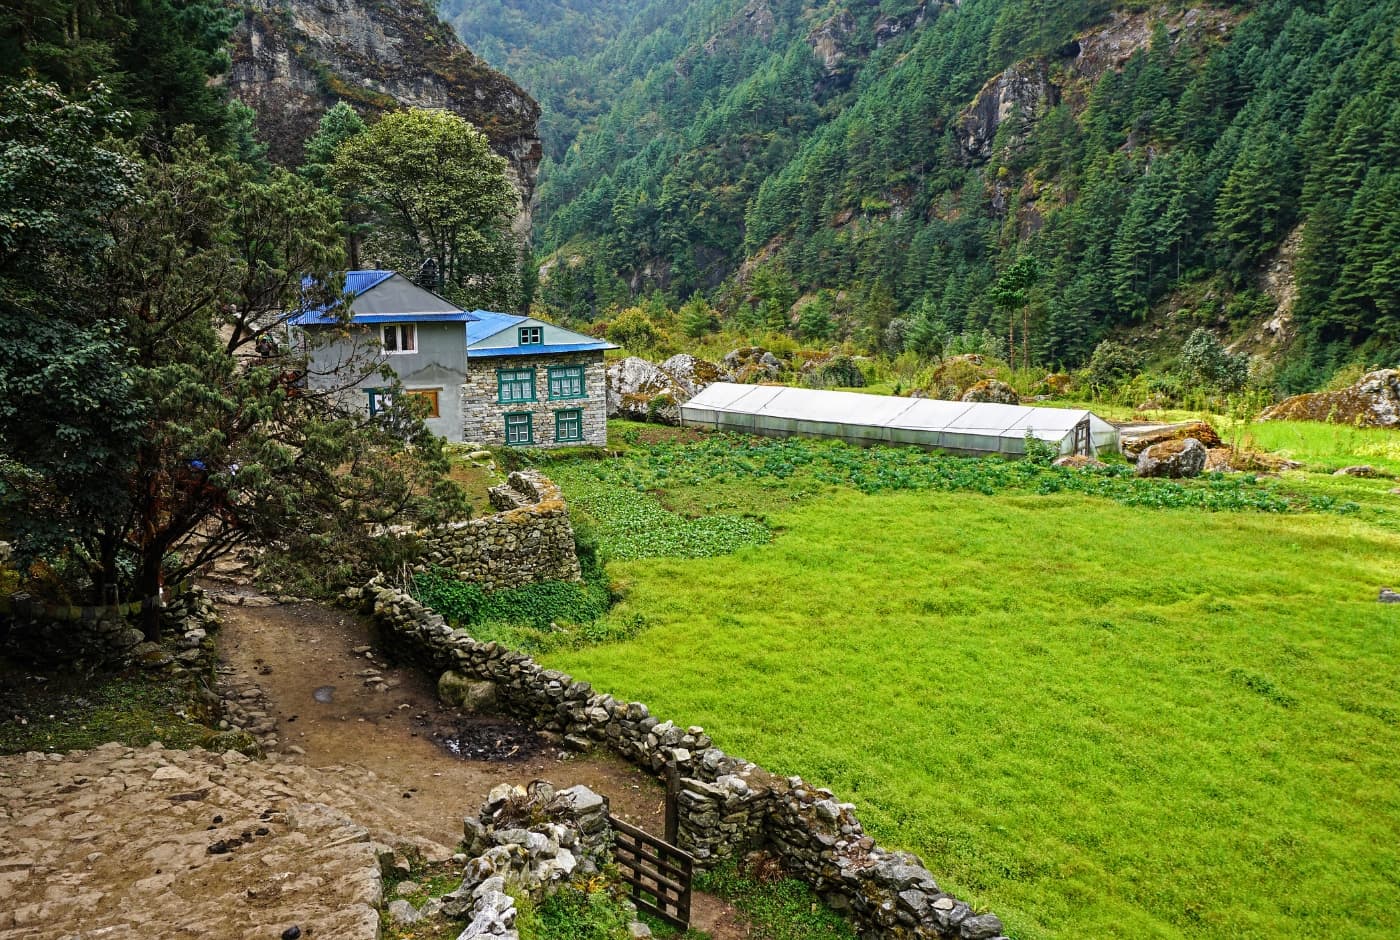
1094	719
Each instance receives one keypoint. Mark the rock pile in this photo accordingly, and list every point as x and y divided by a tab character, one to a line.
1373	402
727	806
527	842
752	364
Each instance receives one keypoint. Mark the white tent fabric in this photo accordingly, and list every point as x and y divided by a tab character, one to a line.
959	427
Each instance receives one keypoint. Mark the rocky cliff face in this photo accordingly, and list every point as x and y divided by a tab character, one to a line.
293	59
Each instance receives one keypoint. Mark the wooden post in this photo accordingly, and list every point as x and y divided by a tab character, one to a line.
673	809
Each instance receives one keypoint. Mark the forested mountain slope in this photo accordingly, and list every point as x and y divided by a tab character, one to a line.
574	56
946	167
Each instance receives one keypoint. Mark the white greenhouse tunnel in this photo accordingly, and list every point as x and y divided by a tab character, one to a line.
972	428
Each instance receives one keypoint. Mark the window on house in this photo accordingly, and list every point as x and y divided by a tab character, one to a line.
566	382
380	401
429	397
398	338
568	425
520	428
515	385
531	335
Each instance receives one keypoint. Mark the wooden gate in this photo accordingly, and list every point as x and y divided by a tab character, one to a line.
658	872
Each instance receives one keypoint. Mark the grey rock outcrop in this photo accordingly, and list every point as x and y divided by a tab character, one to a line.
642	391
691	374
1373	402
752	364
1023	90
293	59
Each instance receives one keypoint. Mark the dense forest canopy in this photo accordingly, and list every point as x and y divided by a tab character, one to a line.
905	156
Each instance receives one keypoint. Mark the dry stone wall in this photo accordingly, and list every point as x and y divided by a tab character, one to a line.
727	806
528	540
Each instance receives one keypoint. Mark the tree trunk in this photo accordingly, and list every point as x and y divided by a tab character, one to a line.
150	581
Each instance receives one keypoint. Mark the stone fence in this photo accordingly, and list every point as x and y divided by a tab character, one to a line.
52	635
528	539
727	806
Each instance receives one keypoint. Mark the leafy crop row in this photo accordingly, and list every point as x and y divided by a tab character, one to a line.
632	523
617	491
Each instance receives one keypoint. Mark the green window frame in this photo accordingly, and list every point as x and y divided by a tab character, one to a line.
566	382
515	385
568	425
520	428
530	335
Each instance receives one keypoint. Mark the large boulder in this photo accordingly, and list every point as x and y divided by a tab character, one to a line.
1132	443
1373	402
642	391
692	374
1174	459
992	390
471	695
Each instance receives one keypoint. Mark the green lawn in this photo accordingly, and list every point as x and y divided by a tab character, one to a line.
1096	719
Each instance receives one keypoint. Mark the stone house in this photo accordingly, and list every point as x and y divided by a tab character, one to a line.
490	378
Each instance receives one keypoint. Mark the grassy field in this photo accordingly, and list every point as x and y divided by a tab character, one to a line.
1096	718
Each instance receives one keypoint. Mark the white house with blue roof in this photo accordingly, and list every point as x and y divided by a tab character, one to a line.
491	378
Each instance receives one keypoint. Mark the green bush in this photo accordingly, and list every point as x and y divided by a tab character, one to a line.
1207	364
1113	363
836	372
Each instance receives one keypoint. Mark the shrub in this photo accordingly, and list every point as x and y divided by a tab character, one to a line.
1207	364
634	330
697	317
814	320
1113	363
836	372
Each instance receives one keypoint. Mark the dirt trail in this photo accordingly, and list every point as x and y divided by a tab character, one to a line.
395	728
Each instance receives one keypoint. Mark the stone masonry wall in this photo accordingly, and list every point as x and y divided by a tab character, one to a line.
484	416
528	540
727	805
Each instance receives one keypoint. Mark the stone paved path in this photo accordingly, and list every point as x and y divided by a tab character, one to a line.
115	843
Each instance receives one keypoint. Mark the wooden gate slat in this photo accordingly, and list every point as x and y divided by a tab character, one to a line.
659	873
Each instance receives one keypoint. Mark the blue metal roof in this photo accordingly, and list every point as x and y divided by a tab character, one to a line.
357	282
536	349
489	323
361	282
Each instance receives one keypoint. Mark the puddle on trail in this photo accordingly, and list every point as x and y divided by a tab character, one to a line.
341	706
